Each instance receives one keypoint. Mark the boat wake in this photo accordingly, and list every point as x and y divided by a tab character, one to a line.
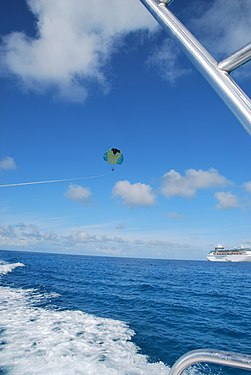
38	340
8	267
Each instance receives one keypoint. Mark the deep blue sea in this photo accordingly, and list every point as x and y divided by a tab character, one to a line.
84	315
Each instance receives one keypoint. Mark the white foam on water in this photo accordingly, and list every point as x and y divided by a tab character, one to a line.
39	341
8	267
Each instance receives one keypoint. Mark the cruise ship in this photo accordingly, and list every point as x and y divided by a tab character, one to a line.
219	254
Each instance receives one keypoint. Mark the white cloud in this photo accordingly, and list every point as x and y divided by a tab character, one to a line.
7	163
80	236
165	59
75	39
120	226
174	184
134	194
78	193
224	28
79	241
173	215
24	235
226	200
224	25
247	186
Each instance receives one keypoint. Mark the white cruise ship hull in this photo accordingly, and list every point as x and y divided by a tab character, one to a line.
229	258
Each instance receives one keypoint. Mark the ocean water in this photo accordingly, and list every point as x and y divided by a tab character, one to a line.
69	314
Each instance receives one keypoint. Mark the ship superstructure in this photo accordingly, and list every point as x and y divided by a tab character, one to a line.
219	254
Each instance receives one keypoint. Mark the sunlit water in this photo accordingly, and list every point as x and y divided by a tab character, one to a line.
62	314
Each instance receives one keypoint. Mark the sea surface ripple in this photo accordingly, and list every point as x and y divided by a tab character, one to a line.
69	314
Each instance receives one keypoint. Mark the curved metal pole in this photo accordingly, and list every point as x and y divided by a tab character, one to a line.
219	357
238	102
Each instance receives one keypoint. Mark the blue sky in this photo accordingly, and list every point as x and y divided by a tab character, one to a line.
77	79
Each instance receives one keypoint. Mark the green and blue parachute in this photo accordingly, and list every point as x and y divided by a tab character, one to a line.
113	156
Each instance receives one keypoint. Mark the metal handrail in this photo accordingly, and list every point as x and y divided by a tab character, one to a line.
237	59
219	357
217	74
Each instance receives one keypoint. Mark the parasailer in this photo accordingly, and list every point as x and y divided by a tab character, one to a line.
113	156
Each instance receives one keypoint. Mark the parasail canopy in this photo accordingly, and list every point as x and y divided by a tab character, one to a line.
113	156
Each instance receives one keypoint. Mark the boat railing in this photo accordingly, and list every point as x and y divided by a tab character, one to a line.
218	357
217	73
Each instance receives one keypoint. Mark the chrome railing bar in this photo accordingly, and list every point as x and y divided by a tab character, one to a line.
237	59
218	357
237	101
